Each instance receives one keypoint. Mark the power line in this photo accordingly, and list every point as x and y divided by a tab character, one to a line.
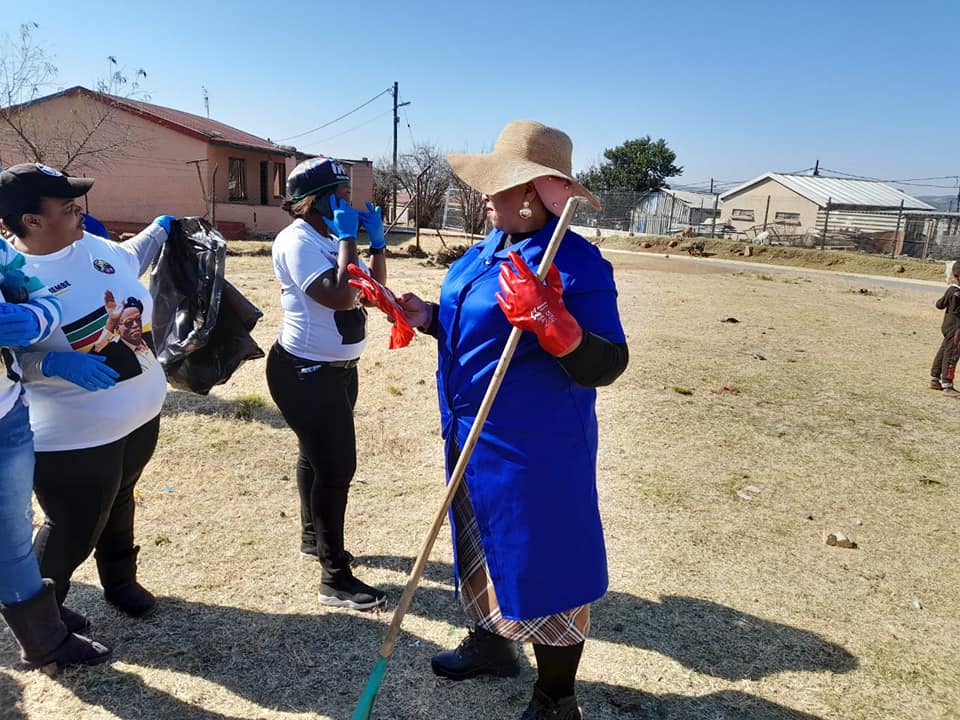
355	127
899	182
413	143
327	124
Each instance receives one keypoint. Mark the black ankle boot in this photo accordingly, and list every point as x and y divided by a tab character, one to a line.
43	637
118	575
75	622
480	653
543	707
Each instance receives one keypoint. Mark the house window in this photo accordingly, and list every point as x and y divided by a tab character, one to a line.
739	214
279	179
788	218
237	179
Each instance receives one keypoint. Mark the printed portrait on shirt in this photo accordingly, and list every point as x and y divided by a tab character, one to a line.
118	332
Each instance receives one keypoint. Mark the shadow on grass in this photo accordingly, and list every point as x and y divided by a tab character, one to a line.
319	663
251	409
612	701
701	635
10	695
715	639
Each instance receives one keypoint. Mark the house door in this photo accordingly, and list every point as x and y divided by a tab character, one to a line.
264	182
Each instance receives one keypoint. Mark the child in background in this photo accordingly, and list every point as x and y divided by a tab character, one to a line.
945	362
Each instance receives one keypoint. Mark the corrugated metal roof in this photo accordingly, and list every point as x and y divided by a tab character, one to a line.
693	199
840	191
212	129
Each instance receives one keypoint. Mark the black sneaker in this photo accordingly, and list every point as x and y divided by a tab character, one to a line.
348	592
480	653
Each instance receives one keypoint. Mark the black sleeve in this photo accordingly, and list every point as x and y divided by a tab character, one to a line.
596	362
434	325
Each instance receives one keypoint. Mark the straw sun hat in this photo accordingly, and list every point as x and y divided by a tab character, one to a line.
525	151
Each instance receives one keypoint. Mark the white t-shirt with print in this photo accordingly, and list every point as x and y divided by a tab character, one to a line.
310	330
64	416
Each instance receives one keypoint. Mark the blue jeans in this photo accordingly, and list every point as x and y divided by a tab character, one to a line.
19	572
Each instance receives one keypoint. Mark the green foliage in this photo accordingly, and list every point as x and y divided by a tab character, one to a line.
637	165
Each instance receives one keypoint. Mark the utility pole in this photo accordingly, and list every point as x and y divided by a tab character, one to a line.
206	104
816	169
396	123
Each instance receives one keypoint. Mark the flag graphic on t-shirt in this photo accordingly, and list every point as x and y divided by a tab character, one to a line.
83	333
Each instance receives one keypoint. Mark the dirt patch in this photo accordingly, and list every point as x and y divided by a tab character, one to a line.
724	599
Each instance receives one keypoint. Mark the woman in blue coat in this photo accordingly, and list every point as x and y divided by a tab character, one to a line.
528	542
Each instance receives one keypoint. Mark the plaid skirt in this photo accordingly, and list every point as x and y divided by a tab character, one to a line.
479	598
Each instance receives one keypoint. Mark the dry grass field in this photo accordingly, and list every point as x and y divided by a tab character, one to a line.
728	452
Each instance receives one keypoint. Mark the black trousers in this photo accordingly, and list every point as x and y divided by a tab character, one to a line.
87	496
944	364
318	407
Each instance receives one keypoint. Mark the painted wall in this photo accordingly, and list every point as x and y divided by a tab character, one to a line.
259	218
146	176
782	199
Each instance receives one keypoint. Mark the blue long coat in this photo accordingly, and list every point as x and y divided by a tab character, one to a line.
532	476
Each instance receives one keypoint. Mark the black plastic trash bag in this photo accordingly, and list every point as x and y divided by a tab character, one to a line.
201	322
185	283
229	346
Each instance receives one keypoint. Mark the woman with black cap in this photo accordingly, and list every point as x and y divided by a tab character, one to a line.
312	368
94	432
28	313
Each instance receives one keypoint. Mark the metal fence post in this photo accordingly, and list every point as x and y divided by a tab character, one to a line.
826	222
716	199
896	234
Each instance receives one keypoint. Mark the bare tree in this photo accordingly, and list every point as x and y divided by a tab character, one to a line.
472	205
383	184
91	134
428	165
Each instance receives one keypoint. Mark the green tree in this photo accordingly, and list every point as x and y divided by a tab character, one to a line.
638	165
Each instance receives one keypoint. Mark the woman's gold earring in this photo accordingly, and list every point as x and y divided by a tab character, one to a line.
525	212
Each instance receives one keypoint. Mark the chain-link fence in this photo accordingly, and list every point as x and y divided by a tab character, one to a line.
621	212
924	235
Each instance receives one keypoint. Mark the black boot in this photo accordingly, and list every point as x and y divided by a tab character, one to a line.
118	576
44	639
480	653
74	621
543	707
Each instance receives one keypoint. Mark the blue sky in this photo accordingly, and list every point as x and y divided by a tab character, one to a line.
736	88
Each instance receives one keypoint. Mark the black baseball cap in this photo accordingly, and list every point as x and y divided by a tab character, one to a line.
315	175
22	185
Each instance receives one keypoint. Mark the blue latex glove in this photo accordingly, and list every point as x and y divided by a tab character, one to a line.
87	370
345	219
373	223
164	222
19	326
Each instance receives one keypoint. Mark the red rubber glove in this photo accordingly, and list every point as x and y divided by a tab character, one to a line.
531	305
377	294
